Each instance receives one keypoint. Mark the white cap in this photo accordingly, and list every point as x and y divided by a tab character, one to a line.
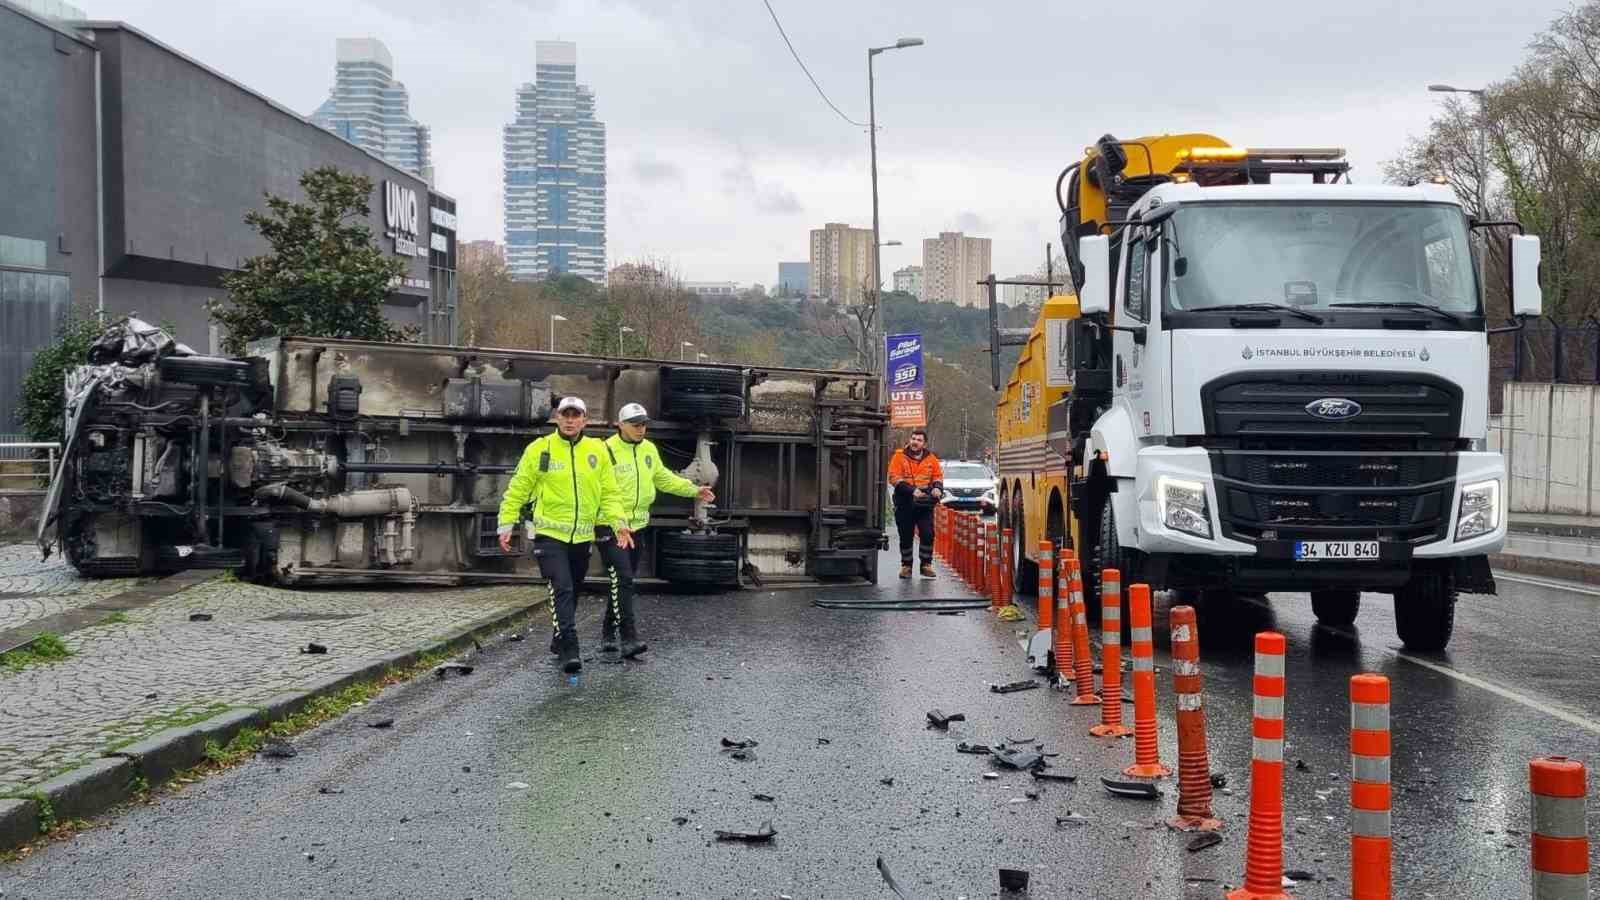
633	413
572	403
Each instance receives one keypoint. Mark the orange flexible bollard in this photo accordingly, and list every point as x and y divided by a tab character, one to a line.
994	566
1370	843
1194	764
980	571
1003	571
960	525
938	531
1047	581
1110	657
991	558
1263	861
1064	630
1560	838
1082	661
966	549
1146	753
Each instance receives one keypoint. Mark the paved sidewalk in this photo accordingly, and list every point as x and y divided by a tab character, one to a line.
1555	524
153	667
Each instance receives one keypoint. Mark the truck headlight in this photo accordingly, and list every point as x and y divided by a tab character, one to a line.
1182	505
1480	509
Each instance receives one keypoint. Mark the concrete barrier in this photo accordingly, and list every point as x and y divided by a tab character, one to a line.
1549	436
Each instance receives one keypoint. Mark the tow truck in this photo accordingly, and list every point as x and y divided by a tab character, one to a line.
1268	378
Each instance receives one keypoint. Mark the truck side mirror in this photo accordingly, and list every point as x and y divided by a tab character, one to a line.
1527	298
1094	254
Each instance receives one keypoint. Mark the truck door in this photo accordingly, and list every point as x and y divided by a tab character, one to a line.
1131	363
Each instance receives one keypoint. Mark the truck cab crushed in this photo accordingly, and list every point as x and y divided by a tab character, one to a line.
314	459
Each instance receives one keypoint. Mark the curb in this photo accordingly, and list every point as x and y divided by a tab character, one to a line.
1544	567
1554	529
96	787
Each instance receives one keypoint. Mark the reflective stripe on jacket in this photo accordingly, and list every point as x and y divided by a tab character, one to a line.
640	474
572	486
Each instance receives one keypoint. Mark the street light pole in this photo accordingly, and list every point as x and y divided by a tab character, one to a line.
877	246
1483	131
554	318
682	346
622	330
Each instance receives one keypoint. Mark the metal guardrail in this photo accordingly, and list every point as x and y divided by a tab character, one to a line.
23	468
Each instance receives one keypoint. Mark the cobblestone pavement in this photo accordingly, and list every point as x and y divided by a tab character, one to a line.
129	679
31	588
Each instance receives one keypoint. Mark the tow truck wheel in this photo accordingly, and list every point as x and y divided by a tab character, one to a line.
1425	612
1336	608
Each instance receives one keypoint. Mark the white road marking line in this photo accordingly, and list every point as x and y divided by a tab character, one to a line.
1491	687
1547	583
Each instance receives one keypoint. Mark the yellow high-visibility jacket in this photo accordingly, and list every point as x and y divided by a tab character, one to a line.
640	474
572	485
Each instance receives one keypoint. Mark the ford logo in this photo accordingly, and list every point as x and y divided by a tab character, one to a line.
1334	409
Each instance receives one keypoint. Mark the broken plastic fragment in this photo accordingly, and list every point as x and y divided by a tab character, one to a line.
680	821
730	744
1072	819
1018	760
382	723
938	719
888	879
278	749
1013	687
1136	790
1219	779
314	649
518	785
1209	839
1013	879
1052	776
764	798
978	749
200	617
440	671
760	836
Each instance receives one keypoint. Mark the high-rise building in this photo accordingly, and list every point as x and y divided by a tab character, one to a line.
368	108
555	173
1022	294
794	279
841	263
470	253
952	264
909	281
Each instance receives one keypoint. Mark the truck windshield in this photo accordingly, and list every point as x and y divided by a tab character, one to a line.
1320	258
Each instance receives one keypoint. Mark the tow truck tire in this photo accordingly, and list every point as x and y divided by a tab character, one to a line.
214	371
705	381
1425	612
1336	608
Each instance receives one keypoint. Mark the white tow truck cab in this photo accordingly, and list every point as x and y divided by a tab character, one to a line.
1293	381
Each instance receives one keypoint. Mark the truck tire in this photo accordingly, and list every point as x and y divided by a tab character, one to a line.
1107	553
1024	571
704	406
206	371
700	572
1336	608
857	538
1425	612
705	381
686	545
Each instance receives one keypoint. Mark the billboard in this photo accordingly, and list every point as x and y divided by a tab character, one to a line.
904	355
908	409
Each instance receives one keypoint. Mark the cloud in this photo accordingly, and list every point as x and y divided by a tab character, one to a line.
770	197
657	171
971	223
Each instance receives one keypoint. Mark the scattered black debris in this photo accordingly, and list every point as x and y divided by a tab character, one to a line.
278	749
990	776
938	719
886	782
200	617
1219	779
1027	740
1201	842
329	790
1053	776
1033	795
1013	879
314	649
404	819
381	723
310	857
950	612
764	798
467	769
823	742
1300	766
888	879
1013	687
1016	759
152	695
743	755
760	836
517	637
977	749
443	669
1299	875
680	821
1465	799
1513	832
1071	819
1136	790
730	744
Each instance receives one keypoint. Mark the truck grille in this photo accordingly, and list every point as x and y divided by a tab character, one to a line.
1396	496
1391	404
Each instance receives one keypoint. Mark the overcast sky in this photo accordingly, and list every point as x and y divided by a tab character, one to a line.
722	157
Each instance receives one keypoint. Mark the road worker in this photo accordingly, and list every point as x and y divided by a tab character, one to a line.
918	483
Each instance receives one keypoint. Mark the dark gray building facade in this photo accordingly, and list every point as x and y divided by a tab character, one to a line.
127	169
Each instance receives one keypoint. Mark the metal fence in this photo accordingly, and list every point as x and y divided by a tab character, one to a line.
26	465
1544	352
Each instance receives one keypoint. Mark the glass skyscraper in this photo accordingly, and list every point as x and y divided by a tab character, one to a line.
555	173
368	108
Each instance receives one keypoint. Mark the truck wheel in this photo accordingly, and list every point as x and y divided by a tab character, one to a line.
705	381
700	572
700	406
1336	608
687	545
1107	553
1425	612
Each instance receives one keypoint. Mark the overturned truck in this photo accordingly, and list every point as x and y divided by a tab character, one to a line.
313	459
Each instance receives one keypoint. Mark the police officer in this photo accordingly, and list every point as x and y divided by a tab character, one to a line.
569	478
640	474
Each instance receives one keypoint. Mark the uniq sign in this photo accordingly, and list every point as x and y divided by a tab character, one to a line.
904	355
400	216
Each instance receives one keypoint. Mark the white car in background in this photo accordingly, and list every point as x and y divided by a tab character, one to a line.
966	484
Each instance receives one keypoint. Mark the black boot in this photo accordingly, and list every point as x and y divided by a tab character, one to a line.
631	645
568	643
608	636
554	646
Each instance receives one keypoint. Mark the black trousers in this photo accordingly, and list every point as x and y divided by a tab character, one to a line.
620	567
914	521
563	565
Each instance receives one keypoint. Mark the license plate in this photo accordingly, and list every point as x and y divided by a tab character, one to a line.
1331	551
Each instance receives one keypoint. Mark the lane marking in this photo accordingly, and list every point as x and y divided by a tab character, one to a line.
1537	705
1574	587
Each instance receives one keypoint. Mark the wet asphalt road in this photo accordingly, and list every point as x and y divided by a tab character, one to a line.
609	763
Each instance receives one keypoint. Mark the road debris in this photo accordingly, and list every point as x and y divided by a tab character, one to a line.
200	617
517	637
1299	875
1054	776
938	719
1209	839
1013	687
760	836
518	785
747	743
1071	819
990	776
976	749
443	669
314	649
680	821
1019	760
823	742
278	749
330	790
1219	780
888	879
381	723
1013	879
886	782
1134	790
1300	766
764	798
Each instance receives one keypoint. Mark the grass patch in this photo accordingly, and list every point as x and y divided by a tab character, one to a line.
46	648
175	719
117	618
47	812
